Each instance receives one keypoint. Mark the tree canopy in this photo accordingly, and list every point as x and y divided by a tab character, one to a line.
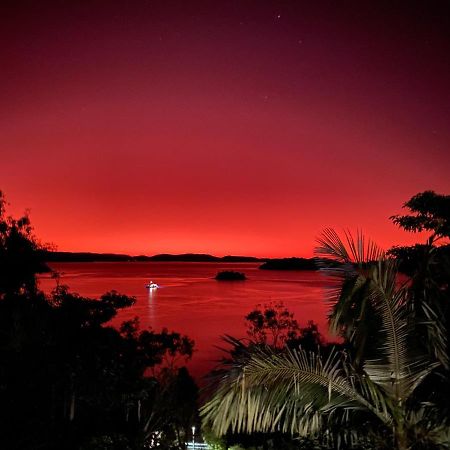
428	212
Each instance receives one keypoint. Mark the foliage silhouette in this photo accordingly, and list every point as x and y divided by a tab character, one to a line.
20	257
428	268
272	324
69	380
375	394
428	212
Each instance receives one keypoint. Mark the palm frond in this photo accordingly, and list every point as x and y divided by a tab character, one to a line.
344	309
396	370
291	391
346	262
436	329
350	250
330	246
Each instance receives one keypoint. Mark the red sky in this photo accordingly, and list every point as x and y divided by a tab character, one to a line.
228	127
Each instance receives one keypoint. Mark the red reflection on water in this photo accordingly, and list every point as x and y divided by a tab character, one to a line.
191	302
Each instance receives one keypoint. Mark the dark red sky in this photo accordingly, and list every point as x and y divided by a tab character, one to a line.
223	126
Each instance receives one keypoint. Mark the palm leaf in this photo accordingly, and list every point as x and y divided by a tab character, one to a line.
291	391
397	370
346	262
355	251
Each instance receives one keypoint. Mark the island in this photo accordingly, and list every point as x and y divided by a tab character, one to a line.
58	256
290	264
230	275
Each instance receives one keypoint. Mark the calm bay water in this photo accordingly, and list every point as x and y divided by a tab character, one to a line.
190	301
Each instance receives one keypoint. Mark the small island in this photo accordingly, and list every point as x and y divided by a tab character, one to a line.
290	264
230	275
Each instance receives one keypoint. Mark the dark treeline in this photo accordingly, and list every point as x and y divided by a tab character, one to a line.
290	264
57	256
268	263
70	381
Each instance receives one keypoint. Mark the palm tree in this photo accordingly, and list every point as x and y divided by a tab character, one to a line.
367	394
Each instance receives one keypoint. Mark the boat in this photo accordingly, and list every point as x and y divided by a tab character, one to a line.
151	285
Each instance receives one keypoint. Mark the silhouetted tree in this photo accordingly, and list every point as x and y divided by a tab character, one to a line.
20	258
272	324
68	379
428	268
428	212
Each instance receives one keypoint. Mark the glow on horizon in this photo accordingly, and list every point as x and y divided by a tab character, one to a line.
221	129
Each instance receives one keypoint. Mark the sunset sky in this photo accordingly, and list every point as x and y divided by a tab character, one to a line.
226	127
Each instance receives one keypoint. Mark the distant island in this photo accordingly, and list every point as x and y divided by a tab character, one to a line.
200	257
267	263
230	275
117	257
290	264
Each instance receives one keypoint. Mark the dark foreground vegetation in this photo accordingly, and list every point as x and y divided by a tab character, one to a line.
70	381
230	275
385	386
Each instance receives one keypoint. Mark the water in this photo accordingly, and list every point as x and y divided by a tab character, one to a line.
190	301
